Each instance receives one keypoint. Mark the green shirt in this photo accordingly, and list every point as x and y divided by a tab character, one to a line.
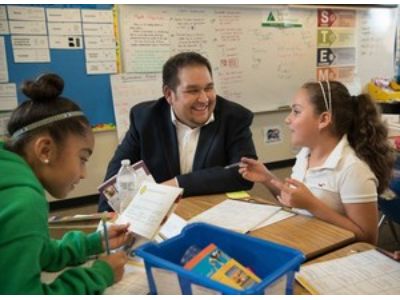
26	248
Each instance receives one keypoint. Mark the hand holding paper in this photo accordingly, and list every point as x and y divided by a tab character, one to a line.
149	207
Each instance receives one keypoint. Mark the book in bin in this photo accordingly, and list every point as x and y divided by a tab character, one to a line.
217	265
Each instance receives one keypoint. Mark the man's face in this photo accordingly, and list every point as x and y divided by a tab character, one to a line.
193	102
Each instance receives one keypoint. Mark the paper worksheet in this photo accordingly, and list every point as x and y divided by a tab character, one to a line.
8	96
366	273
279	216
172	227
134	282
147	210
4	118
3	61
167	282
236	215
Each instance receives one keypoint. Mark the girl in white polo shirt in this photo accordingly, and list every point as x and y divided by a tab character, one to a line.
346	159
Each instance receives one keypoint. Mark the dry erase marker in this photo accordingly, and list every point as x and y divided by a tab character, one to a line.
232	165
106	236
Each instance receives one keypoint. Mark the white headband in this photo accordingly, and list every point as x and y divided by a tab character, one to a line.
46	121
328	101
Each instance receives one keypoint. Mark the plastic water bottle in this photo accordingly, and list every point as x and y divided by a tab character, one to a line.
126	184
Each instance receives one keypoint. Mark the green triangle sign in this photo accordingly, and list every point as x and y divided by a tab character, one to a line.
271	17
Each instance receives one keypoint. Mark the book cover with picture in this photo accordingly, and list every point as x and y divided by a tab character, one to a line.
216	264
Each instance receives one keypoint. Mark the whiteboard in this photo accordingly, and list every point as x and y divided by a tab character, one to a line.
256	66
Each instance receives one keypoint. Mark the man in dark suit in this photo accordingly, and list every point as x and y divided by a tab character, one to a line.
187	137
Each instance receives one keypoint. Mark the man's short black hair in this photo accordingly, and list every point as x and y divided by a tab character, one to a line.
179	61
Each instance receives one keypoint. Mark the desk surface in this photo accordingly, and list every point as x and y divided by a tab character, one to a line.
350	249
311	236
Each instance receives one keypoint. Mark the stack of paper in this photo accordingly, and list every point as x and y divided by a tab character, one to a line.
365	273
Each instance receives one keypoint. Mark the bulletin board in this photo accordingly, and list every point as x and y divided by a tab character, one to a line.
91	92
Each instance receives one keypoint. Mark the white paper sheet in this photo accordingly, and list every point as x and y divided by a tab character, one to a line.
4	117
100	42
103	67
148	208
201	290
131	89
8	96
97	16
166	282
63	15
29	42
66	42
94	29
98	55
3	61
4	27
31	55
279	216
3	13
172	227
28	27
56	28
134	282
366	273
236	215
25	13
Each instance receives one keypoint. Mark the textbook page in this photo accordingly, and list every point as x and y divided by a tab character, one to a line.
365	273
236	215
149	207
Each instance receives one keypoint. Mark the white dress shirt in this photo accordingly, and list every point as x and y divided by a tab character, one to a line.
188	139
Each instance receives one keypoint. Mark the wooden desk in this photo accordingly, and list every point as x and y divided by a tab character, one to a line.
350	249
311	236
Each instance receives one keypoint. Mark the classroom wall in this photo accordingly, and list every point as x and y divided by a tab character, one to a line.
106	143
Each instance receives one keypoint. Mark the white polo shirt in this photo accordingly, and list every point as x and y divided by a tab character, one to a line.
343	178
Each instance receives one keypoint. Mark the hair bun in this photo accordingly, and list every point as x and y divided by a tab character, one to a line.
46	87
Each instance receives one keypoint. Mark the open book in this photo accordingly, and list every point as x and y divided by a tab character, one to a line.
109	188
366	273
150	208
241	216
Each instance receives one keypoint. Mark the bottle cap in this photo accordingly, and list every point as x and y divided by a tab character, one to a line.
125	162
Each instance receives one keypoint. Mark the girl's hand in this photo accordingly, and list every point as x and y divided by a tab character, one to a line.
117	262
253	170
118	235
294	194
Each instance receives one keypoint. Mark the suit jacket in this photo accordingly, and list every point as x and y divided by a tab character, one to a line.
152	138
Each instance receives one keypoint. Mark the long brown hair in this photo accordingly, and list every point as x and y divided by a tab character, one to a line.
359	118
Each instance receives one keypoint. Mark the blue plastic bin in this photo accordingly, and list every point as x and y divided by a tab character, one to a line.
275	264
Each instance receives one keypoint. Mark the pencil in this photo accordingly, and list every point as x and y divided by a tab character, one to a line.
232	165
106	236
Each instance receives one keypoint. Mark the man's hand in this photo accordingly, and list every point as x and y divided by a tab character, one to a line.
171	182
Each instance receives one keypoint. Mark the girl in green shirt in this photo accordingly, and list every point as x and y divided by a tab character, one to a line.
50	141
